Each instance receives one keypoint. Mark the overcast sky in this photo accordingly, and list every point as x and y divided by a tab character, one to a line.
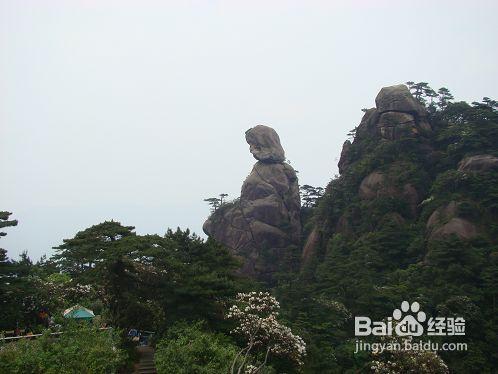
136	110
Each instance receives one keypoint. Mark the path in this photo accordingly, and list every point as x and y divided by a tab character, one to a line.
146	364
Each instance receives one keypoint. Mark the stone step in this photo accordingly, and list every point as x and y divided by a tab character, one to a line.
149	366
146	363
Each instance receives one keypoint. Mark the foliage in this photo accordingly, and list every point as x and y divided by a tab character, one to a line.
408	361
216	202
82	256
372	254
7	276
19	295
310	195
191	349
150	281
256	315
422	92
426	95
80	349
4	221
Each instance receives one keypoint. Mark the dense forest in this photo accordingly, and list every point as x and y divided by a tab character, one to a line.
413	216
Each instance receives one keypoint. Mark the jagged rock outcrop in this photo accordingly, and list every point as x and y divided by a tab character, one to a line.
479	163
397	115
445	221
344	160
398	99
265	220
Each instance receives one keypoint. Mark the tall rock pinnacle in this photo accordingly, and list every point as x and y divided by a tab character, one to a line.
261	225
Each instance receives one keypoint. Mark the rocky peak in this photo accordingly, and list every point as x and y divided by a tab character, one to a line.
398	115
261	225
398	99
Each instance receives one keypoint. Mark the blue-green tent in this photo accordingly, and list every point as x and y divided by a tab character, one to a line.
78	312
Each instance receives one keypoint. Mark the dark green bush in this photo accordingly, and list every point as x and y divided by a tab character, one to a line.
189	349
80	349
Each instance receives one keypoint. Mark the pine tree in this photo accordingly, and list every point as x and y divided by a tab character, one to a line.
310	195
7	276
444	98
4	221
88	247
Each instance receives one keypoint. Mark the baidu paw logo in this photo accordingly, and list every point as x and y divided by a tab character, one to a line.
408	324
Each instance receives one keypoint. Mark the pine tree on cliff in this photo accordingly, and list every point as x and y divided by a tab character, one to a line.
4	221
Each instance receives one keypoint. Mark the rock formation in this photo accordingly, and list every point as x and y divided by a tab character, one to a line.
398	115
378	184
264	144
445	221
374	185
261	225
479	163
417	196
398	99
344	160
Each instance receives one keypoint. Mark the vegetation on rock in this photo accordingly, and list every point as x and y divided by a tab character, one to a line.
376	247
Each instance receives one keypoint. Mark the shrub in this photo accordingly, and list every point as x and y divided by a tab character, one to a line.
189	349
80	349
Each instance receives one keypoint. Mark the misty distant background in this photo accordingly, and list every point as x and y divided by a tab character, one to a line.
136	110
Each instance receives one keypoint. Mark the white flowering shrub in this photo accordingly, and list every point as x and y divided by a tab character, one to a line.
256	316
406	361
57	292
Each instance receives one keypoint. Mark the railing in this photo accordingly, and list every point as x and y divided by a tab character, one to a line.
34	336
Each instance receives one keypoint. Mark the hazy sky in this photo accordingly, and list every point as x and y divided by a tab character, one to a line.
136	110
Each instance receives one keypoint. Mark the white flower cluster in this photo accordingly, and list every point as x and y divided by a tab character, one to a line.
251	369
407	361
256	314
54	293
338	308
